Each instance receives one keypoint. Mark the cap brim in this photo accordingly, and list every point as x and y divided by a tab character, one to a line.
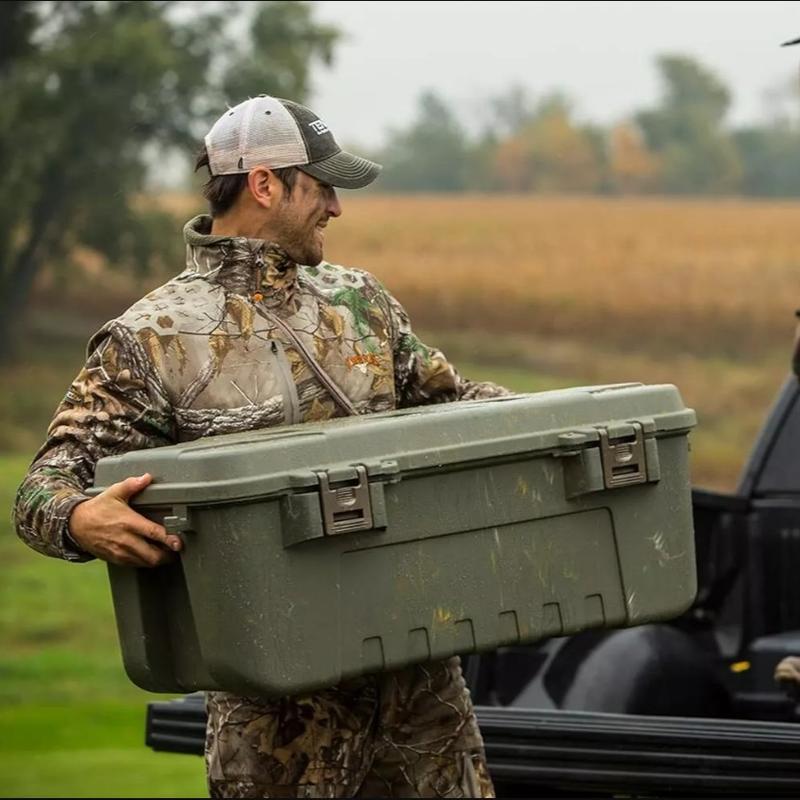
344	170
793	41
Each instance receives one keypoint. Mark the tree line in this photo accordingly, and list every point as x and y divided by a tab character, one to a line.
682	146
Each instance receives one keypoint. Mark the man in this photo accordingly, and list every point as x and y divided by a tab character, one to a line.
259	331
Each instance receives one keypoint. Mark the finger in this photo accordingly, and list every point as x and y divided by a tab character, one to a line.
142	526
144	554
119	555
125	490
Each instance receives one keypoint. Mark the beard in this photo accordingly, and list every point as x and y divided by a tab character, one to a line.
302	239
308	252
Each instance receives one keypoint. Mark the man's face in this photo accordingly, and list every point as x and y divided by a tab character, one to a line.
299	225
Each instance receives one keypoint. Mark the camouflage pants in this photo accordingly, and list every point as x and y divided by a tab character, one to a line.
410	733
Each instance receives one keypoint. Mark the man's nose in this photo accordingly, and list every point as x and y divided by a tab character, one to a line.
334	206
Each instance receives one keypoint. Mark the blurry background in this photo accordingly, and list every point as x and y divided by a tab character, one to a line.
573	193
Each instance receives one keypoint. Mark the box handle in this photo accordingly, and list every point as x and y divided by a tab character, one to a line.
178	521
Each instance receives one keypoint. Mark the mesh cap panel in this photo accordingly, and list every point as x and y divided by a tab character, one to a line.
257	132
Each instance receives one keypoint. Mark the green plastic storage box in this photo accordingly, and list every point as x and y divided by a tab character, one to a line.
319	552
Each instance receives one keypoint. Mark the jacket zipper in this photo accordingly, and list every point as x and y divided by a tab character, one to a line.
338	395
291	400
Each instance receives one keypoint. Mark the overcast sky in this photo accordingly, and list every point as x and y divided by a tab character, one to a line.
599	53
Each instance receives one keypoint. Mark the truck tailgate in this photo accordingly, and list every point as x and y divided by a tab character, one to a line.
574	751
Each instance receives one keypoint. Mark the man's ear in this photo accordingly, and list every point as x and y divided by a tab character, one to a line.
264	186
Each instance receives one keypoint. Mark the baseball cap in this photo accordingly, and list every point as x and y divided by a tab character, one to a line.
271	132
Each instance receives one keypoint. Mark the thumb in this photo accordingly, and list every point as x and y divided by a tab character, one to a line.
126	489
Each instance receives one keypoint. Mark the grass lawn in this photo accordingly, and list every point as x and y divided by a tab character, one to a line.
71	723
89	748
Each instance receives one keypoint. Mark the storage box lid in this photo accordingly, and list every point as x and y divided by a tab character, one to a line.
276	460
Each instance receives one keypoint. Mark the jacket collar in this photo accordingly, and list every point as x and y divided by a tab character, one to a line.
251	267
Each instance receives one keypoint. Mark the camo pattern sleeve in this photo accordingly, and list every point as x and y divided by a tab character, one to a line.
115	404
423	374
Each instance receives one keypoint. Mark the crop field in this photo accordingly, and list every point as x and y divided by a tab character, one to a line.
533	293
700	294
692	275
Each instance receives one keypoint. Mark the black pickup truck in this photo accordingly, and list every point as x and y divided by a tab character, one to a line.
684	708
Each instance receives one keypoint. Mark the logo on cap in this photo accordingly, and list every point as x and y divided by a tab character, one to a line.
319	126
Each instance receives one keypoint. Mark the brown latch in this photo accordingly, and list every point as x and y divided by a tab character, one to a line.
346	507
624	461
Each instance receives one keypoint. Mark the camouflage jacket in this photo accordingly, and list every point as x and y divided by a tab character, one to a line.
220	349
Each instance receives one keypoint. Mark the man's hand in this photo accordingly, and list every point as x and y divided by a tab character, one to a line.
108	528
